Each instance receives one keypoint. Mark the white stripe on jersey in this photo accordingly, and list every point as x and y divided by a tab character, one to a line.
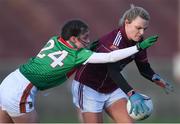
118	38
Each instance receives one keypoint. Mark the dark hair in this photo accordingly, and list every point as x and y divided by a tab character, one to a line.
73	28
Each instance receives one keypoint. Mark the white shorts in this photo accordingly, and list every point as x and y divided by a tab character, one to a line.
17	94
89	100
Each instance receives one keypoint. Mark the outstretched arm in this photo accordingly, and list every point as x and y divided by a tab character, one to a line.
113	56
117	55
136	99
146	71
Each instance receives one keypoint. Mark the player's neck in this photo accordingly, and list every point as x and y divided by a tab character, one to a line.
67	43
72	44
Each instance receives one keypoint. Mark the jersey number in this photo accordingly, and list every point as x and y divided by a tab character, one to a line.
57	56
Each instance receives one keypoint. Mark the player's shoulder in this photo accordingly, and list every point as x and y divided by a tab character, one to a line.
84	50
84	53
55	38
111	33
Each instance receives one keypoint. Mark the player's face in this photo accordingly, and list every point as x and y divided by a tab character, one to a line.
135	29
83	40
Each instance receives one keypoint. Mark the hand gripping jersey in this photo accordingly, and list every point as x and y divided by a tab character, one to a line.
53	63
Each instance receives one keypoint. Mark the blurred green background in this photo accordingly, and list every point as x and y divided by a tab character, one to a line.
25	25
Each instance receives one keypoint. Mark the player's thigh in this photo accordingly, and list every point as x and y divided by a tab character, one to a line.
90	117
4	117
31	117
118	112
79	115
116	106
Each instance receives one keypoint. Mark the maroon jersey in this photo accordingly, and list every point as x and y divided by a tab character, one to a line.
96	75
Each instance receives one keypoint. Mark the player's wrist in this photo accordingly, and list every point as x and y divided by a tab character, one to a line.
138	46
156	77
158	80
130	93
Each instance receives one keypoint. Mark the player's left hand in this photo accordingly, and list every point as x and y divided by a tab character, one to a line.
147	42
162	83
137	103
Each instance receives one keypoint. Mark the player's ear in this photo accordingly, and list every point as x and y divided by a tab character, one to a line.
73	39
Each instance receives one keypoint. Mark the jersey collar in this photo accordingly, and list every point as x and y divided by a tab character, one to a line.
60	39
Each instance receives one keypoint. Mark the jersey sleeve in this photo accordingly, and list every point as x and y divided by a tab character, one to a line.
114	70
141	56
112	56
143	65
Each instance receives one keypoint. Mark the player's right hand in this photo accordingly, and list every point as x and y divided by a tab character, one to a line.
147	42
168	87
137	104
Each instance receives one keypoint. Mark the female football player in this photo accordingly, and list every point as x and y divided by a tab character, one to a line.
95	86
